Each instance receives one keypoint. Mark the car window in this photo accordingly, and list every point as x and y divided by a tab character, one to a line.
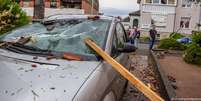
64	36
118	40
114	51
120	35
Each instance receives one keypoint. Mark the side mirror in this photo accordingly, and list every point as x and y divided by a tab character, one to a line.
127	48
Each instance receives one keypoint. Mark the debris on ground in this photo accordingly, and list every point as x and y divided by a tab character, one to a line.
35	57
143	70
171	78
34	65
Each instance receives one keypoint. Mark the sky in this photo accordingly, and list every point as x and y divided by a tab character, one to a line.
118	7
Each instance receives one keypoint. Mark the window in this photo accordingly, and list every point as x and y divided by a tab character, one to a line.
148	1
185	22
163	1
160	1
159	20
186	3
156	1
120	35
26	3
118	40
63	35
114	52
171	1
53	3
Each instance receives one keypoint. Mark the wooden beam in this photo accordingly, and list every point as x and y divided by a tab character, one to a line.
124	72
2	44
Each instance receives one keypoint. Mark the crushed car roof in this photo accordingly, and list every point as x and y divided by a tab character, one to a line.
60	16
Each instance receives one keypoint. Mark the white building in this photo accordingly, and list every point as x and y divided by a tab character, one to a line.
169	16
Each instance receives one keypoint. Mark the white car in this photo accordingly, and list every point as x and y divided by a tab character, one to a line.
49	61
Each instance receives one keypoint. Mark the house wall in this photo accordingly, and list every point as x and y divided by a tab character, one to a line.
53	11
164	16
86	6
47	3
192	12
167	12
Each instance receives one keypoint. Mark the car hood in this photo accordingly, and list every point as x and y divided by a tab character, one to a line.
22	80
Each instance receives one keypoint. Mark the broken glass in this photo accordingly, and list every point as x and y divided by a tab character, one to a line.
63	36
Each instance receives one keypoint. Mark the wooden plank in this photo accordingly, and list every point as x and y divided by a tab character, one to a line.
70	56
124	72
2	44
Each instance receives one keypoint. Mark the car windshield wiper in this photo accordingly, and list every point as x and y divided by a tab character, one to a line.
20	48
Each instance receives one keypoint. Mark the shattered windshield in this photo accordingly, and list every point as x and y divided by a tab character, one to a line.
62	36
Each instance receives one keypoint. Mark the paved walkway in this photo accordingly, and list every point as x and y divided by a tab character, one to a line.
187	77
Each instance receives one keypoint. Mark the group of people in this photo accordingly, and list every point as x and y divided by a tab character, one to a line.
134	36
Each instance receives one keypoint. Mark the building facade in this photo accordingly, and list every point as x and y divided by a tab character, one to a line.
187	16
85	5
169	16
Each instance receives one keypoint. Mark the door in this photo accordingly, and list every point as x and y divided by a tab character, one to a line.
118	41
135	23
105	83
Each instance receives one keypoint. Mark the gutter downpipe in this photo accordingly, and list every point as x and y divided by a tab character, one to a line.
92	7
175	16
199	16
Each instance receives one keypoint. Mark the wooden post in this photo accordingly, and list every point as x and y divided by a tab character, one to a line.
124	72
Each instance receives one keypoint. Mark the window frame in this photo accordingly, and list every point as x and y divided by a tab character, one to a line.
186	5
175	2
184	27
116	54
52	2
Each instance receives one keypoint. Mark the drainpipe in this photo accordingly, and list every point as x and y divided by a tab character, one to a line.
175	17
92	7
199	18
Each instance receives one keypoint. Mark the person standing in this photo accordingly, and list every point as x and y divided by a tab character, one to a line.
131	35
152	33
136	37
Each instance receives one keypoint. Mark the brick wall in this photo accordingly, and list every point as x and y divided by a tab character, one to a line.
47	3
87	7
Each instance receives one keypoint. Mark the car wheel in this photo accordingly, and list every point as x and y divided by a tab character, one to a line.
110	97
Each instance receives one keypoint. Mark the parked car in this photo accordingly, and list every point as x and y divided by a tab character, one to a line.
48	60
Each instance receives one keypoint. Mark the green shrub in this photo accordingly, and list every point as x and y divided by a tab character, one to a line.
11	16
196	37
172	44
176	36
193	54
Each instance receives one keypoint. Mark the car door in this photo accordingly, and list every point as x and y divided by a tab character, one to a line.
105	84
118	41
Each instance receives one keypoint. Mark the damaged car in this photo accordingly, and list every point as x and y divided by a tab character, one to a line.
49	61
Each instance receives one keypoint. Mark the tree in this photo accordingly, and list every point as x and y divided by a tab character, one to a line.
39	9
11	16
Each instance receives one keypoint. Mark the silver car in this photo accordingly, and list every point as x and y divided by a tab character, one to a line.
48	60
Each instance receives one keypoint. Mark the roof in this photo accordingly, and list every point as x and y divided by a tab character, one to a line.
127	19
65	16
135	13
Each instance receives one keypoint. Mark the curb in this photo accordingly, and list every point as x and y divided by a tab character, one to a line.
168	92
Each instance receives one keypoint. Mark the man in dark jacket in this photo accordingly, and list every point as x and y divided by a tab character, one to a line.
152	33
